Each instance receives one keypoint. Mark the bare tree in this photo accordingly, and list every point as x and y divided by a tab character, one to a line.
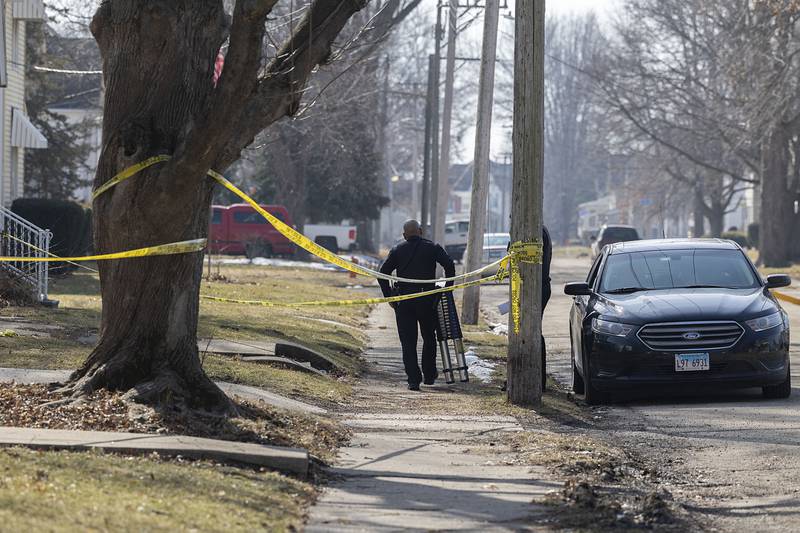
158	64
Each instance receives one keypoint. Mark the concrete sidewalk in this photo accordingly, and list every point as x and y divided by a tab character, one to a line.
412	470
293	460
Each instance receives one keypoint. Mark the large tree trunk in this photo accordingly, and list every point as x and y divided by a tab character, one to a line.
777	205
158	63
699	212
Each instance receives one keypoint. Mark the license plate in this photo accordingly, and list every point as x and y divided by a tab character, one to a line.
691	362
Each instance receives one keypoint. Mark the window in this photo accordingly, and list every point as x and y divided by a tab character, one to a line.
463	227
497	239
678	269
449	228
216	216
253	217
593	271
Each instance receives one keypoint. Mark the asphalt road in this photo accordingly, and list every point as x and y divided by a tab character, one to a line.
732	455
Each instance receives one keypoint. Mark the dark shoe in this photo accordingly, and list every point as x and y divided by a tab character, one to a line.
432	380
413	386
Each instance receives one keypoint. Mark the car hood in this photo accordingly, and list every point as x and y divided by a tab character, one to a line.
686	305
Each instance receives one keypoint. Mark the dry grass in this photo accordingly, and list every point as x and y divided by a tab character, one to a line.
76	492
334	332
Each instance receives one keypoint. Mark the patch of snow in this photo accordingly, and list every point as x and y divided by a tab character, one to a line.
479	368
499	329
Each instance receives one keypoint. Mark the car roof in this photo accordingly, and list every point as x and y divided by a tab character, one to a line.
671	244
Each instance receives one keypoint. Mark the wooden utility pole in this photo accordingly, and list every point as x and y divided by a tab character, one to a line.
434	103
426	157
481	161
443	190
524	348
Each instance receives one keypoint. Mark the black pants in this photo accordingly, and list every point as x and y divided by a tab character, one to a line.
546	292
413	316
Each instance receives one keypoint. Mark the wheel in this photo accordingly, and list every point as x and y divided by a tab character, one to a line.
253	250
781	390
577	380
591	395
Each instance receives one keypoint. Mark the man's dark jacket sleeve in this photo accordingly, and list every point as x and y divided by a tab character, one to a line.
388	267
447	263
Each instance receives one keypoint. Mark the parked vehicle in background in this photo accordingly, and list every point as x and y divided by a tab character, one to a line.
611	234
495	246
240	229
332	237
677	312
455	238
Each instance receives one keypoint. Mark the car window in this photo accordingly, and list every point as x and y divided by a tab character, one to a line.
216	216
620	234
248	217
463	227
449	228
678	268
496	240
593	271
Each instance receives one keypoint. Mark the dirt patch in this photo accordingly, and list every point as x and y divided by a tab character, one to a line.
14	293
27	406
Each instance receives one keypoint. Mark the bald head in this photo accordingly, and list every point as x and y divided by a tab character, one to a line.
411	228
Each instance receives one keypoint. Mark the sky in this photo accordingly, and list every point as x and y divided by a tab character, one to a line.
578	6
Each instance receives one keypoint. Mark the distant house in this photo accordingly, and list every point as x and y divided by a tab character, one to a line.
18	134
499	201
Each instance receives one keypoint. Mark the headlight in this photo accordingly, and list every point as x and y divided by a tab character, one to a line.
765	322
615	329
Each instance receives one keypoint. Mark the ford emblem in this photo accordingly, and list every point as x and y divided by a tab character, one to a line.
691	336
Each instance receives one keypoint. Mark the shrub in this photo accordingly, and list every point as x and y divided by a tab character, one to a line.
738	237
69	222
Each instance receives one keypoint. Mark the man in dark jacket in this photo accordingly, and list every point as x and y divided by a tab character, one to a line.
547	256
416	258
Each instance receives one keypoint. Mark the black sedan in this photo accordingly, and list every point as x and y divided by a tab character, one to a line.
667	312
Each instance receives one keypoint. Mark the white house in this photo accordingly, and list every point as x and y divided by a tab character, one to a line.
18	134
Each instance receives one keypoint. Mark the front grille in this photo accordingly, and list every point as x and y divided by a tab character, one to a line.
680	336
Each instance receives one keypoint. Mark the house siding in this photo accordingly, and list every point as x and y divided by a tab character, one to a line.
13	96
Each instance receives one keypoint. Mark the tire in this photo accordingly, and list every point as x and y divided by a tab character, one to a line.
577	380
591	395
253	250
781	390
328	242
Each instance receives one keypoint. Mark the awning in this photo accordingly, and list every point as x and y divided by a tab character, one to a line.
28	10
23	133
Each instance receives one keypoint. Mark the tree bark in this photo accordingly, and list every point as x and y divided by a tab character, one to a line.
698	212
777	205
524	348
480	164
158	63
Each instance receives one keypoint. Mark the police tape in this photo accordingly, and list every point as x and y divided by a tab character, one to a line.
183	247
521	252
289	232
363	301
7	235
508	266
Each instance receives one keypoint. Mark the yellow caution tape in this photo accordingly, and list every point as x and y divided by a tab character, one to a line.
182	247
289	232
34	247
521	252
363	301
128	172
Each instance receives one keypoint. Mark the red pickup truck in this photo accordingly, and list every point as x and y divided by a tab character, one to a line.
239	229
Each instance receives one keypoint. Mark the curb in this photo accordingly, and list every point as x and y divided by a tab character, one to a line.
786	298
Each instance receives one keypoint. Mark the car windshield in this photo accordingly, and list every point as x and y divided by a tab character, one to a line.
620	234
501	239
654	270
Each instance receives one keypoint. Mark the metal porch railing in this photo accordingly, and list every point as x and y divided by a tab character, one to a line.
21	238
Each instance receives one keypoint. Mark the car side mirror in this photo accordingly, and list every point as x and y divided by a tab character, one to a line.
577	288
778	280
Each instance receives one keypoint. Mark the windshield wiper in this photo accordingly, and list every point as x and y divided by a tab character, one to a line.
705	287
626	290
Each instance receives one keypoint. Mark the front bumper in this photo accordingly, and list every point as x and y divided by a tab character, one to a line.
757	360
